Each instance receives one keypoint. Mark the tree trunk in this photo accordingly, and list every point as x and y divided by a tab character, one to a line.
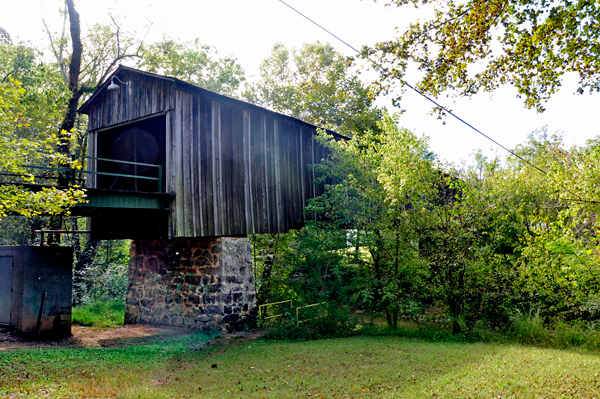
68	122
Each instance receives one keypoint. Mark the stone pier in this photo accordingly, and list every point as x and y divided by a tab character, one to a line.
198	283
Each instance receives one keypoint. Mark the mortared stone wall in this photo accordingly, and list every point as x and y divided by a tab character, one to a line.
198	283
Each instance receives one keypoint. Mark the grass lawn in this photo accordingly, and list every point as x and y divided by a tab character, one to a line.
100	314
382	367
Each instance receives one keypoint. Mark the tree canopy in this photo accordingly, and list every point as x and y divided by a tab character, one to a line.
476	46
195	63
317	84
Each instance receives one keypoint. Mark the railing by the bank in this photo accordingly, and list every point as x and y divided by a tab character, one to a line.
70	174
316	310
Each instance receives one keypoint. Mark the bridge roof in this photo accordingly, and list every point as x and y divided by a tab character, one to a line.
89	104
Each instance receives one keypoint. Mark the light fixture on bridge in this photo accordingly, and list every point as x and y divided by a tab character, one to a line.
113	85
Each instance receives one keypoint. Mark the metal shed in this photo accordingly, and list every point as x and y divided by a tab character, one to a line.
35	289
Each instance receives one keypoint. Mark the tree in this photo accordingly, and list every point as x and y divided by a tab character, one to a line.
4	36
194	63
43	88
14	153
559	265
317	84
475	46
383	182
85	62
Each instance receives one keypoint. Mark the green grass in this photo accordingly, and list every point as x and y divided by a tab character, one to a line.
99	314
382	367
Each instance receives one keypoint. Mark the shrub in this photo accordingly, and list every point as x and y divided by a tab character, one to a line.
338	323
528	328
104	282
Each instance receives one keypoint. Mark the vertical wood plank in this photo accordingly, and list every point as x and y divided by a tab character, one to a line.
238	172
225	150
216	161
92	163
271	181
178	169
186	130
266	183
249	200
277	155
301	173
206	166
195	166
257	173
169	172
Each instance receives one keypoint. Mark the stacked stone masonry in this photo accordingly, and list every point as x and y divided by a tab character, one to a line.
198	283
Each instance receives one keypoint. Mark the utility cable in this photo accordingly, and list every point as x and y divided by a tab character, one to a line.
418	91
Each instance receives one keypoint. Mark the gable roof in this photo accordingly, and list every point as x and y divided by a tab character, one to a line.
85	108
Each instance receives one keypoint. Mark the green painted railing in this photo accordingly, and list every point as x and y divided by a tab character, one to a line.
91	172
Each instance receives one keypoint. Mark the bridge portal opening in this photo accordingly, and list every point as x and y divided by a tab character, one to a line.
139	146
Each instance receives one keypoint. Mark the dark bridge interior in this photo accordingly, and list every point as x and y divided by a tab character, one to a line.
142	142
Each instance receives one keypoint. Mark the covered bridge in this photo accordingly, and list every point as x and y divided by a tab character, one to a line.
188	174
231	168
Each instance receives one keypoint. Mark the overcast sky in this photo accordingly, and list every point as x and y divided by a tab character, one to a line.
247	30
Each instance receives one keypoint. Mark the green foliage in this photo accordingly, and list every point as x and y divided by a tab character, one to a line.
16	151
528	327
383	185
317	84
105	278
194	63
306	266
338	323
100	314
477	46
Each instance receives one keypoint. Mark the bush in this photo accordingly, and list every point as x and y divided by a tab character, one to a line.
528	328
338	323
104	283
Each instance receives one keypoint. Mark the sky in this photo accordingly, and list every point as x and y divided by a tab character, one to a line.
248	29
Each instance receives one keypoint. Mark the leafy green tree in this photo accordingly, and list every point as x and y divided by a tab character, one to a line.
558	259
43	88
15	152
475	46
317	84
194	63
383	182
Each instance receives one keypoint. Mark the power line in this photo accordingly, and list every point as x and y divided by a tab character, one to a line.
418	91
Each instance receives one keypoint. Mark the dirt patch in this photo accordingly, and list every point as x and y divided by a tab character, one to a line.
229	340
90	337
128	335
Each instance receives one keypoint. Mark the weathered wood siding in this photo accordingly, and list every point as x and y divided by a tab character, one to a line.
142	96
235	169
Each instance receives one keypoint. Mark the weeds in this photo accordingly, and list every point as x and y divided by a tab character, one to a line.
100	314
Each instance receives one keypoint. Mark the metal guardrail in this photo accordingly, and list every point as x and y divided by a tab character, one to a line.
298	321
262	312
266	306
91	172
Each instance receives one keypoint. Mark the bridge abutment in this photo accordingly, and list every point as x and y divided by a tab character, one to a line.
198	283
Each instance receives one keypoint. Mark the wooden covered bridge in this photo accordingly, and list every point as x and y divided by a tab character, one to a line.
229	168
188	174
